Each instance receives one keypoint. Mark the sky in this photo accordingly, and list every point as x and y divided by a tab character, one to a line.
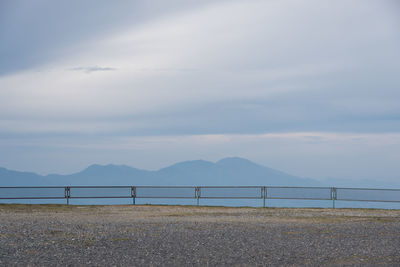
308	87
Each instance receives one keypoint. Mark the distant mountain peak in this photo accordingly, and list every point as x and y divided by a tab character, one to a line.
188	164
236	160
101	166
98	168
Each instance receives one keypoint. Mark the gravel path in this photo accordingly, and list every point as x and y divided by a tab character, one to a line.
51	235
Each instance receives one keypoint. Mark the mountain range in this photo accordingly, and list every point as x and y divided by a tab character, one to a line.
232	171
227	171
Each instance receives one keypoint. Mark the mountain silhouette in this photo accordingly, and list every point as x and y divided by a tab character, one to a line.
228	171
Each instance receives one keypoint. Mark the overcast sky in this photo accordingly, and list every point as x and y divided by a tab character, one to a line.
308	87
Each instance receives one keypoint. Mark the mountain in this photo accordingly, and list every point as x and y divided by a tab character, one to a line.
101	175
228	171
17	178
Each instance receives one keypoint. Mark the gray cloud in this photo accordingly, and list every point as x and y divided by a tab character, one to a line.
38	32
92	69
186	68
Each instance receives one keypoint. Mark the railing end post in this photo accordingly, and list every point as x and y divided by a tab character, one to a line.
333	196
67	193
197	195
133	194
264	195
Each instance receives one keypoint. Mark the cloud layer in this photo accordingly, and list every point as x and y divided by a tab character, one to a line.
215	68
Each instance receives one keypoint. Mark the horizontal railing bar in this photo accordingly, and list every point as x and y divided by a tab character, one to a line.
301	187
374	189
231	197
149	186
167	186
100	186
32	197
245	186
103	197
367	200
166	197
31	187
300	198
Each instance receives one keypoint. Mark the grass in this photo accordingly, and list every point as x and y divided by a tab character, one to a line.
315	215
46	207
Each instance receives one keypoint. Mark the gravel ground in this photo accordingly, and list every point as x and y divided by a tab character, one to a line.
51	235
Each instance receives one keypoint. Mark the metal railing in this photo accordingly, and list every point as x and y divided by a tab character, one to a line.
202	192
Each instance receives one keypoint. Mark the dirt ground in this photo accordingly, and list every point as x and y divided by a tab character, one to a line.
58	235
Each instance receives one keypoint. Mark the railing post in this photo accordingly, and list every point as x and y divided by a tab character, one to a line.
67	193
133	193
264	194
197	194
333	196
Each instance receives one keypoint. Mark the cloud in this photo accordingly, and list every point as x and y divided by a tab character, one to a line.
225	72
262	67
38	33
93	69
